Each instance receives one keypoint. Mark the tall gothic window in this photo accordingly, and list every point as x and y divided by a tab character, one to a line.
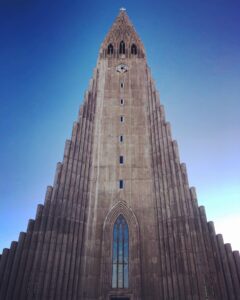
110	49
122	47
134	49
120	254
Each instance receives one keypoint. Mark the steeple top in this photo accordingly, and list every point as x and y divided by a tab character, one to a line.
122	38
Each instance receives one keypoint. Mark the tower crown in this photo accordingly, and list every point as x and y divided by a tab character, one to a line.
122	39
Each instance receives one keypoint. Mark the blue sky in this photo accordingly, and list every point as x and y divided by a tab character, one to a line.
47	55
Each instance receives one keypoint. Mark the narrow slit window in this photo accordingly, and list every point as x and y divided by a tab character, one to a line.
121	159
122	85
121	184
122	101
110	49
121	119
134	49
122	47
121	138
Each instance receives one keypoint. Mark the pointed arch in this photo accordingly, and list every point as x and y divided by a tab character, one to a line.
133	49
134	269
122	47
110	49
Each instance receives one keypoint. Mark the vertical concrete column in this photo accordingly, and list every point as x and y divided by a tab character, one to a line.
23	261
227	273
211	273
26	286
237	262
15	267
65	254
221	292
62	231
33	281
233	270
7	271
84	161
3	263
59	225
52	227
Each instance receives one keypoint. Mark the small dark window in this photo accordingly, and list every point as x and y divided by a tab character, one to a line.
121	138
121	159
110	49
121	184
122	101
121	84
122	47
134	49
121	119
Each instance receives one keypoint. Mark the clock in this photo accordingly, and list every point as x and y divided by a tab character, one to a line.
122	68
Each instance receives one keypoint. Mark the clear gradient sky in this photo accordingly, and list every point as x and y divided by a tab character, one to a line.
48	50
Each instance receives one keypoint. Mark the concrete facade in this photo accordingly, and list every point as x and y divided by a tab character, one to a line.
66	252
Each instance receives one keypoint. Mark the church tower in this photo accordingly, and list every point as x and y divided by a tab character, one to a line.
120	221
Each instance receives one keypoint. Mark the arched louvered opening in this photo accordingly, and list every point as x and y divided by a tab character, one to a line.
110	49
133	49
122	47
120	253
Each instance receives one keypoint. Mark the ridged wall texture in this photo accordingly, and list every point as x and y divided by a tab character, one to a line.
174	252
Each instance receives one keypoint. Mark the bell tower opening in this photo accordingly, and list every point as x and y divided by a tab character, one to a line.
122	47
110	49
133	49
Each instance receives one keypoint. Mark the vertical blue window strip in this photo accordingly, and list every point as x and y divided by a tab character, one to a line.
120	256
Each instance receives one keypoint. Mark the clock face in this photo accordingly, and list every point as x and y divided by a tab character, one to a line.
122	68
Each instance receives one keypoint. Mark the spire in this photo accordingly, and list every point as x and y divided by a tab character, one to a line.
123	30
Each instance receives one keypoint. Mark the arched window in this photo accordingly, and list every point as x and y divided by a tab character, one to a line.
110	49
120	253
122	48
134	49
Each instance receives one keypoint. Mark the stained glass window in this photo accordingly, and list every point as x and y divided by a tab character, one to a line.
120	254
